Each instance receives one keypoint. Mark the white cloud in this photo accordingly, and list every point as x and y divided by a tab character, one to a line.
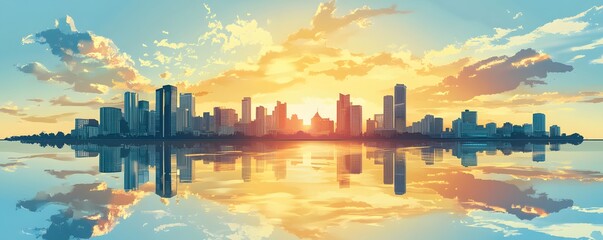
166	227
27	39
598	60
518	15
164	43
576	58
589	46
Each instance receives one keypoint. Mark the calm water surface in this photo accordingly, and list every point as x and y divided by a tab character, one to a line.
302	190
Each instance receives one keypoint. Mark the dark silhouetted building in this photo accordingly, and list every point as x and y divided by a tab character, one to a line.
166	99
400	107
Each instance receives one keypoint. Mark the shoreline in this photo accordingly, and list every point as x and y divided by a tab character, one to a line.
154	140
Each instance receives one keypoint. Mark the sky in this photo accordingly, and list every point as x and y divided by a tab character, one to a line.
504	59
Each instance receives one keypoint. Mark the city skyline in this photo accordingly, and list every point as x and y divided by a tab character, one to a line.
500	65
173	118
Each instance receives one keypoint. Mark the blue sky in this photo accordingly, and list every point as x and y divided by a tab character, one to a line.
430	34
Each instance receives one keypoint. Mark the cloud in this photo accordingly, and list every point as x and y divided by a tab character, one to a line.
165	75
576	58
245	33
38	100
589	46
518	15
145	63
444	70
11	166
294	62
594	100
94	103
12	109
27	39
496	75
91	63
324	21
598	60
90	209
48	119
54	156
62	174
525	204
167	227
164	43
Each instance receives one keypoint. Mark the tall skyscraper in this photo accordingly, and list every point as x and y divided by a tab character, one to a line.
187	104
400	107
246	110
131	111
166	110
388	112
280	116
206	122
539	124
343	114
217	119
356	120
260	121
110	118
143	117
438	126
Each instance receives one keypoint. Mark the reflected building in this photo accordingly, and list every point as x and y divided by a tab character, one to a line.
388	167
538	152
165	186
428	155
109	160
555	147
246	168
185	164
400	173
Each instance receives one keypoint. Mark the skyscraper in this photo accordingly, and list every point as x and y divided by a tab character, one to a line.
166	111
469	117
400	107
131	111
539	124
206	122
110	118
260	121
388	112
356	120
246	110
343	114
280	116
143	117
187	104
555	131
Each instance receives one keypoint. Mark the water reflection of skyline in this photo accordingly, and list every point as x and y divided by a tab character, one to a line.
176	163
345	180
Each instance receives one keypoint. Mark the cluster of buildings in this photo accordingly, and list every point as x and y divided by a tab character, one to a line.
175	115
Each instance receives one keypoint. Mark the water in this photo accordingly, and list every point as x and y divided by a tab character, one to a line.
292	190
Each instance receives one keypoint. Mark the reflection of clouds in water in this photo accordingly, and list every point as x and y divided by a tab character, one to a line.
562	230
91	209
62	174
167	227
491	195
54	156
542	173
12	166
